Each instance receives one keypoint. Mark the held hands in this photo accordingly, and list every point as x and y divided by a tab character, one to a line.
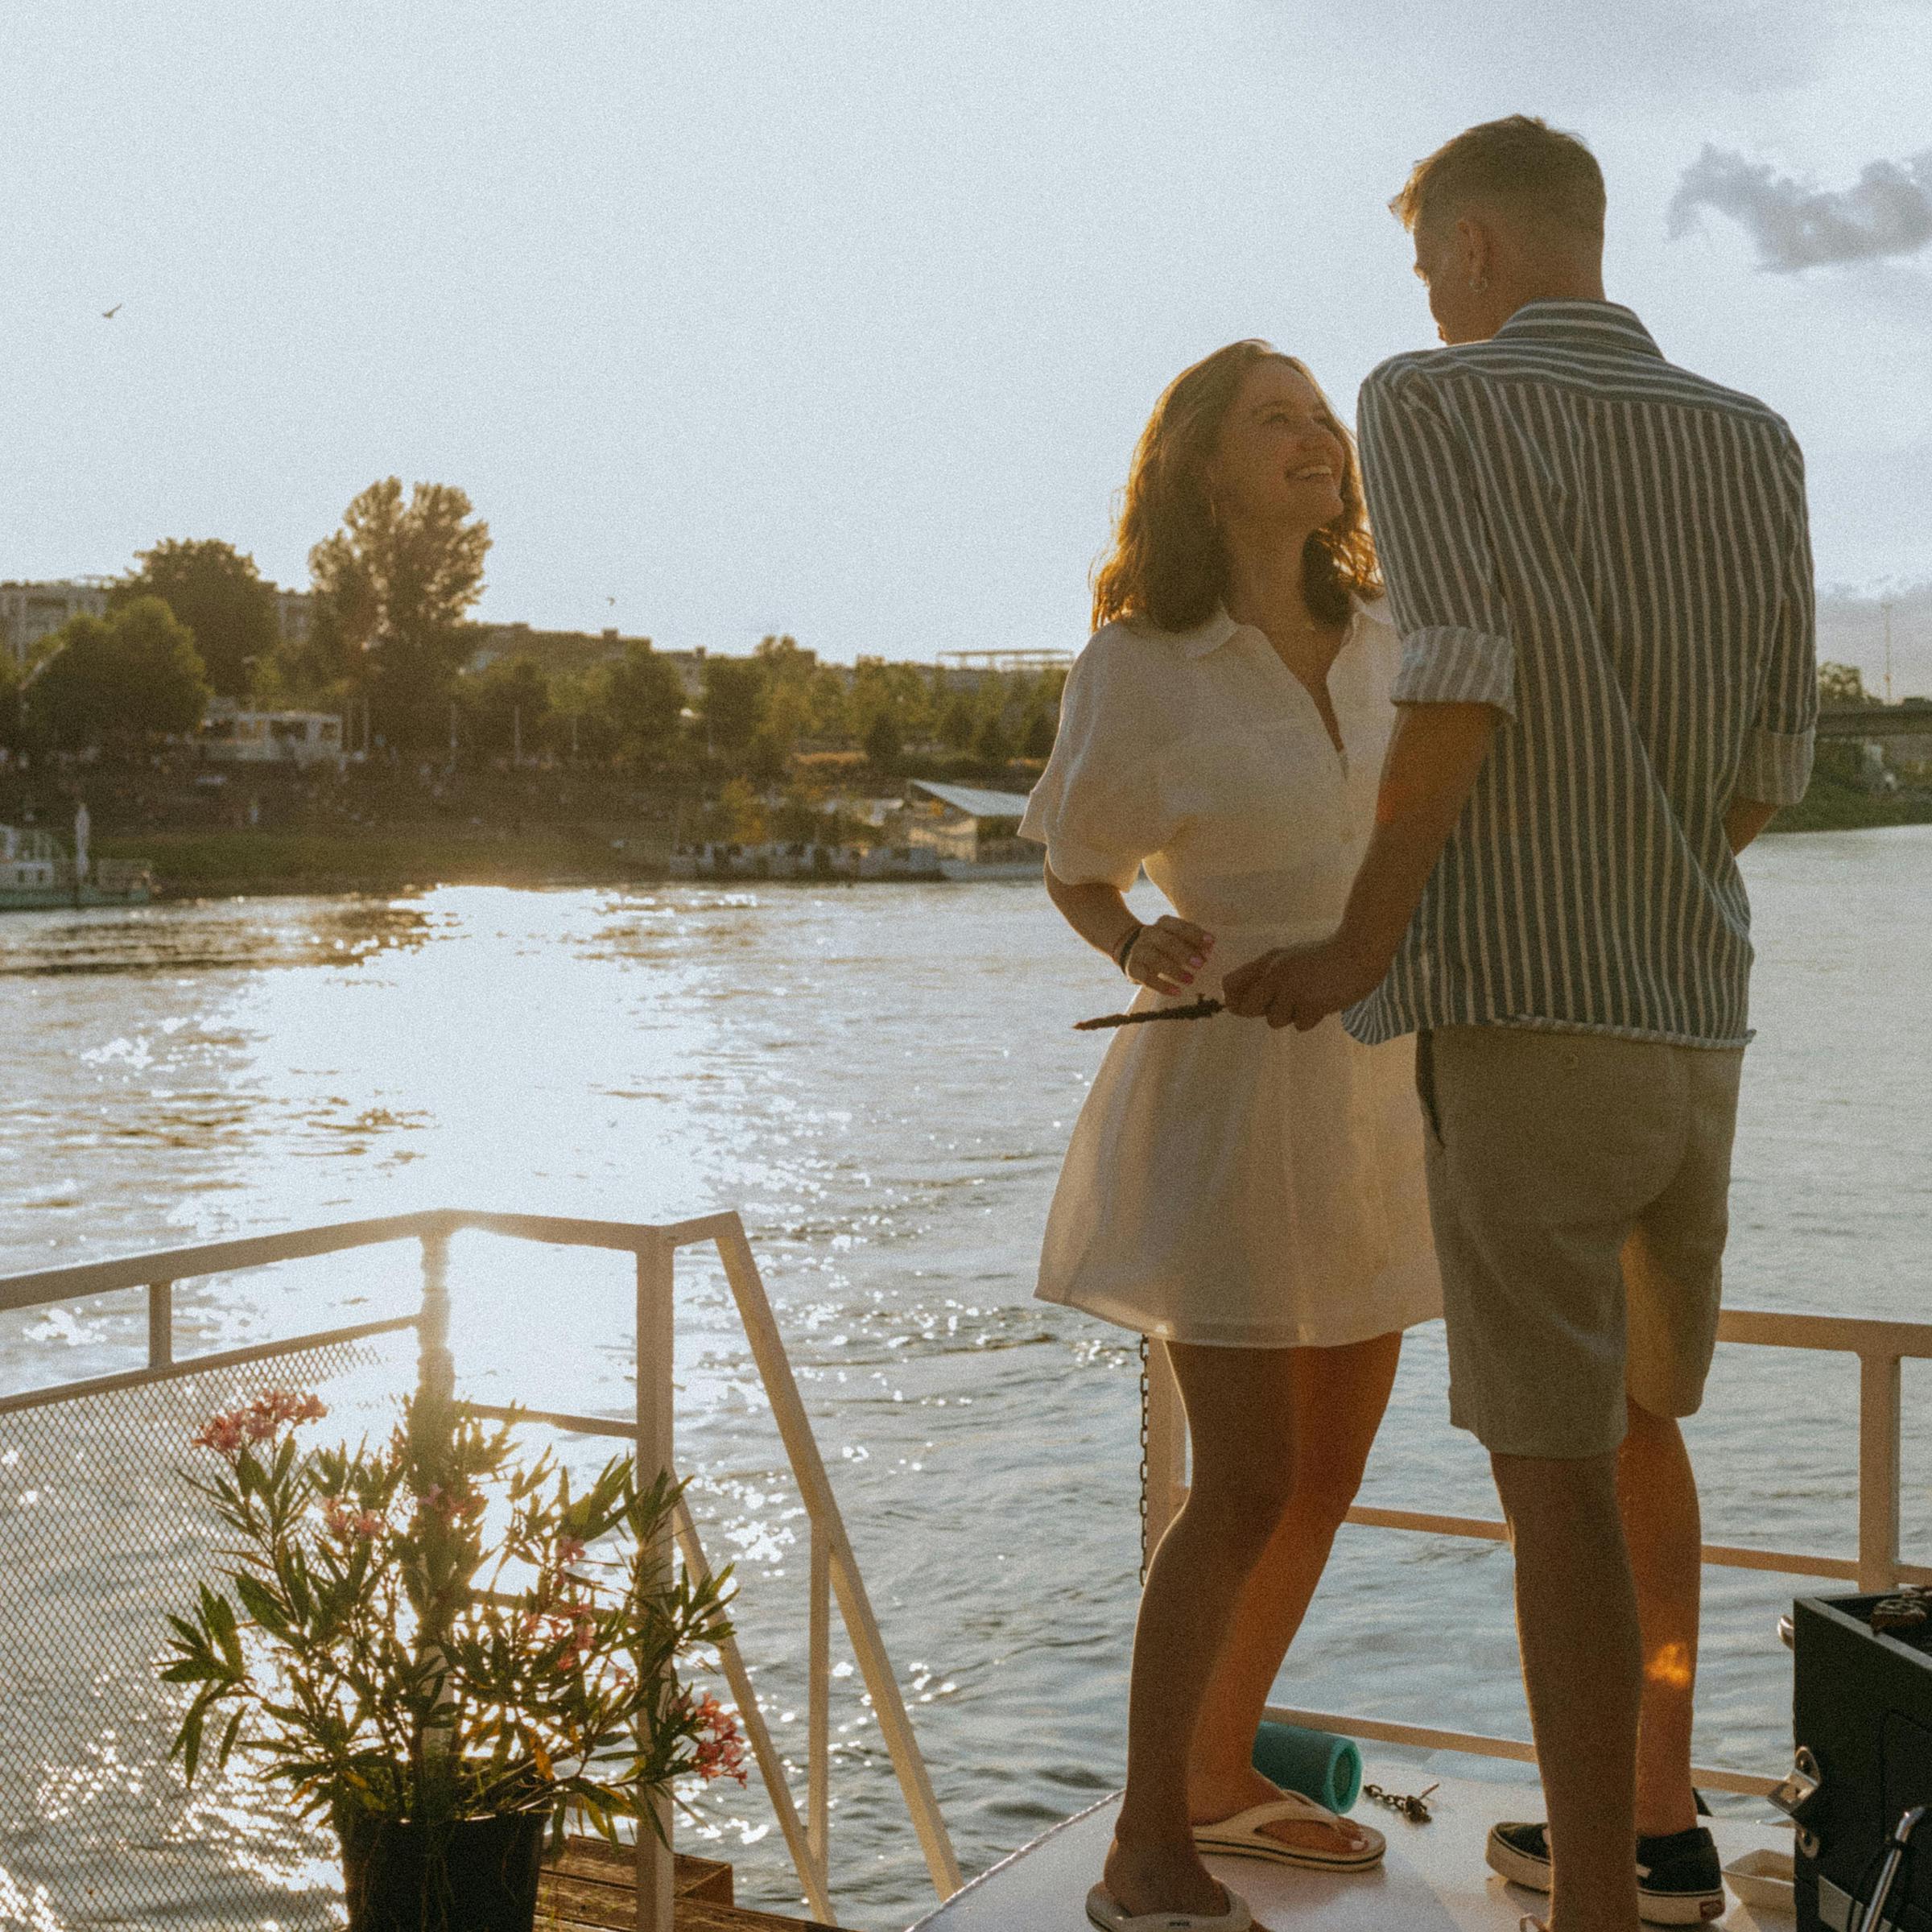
1300	985
1166	955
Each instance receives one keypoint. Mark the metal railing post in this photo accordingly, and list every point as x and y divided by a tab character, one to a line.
1879	1386
160	1324
656	1267
848	1587
435	1366
817	1706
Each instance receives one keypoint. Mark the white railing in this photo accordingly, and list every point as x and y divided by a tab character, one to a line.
832	1570
1881	1347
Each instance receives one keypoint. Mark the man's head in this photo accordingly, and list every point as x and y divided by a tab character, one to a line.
1507	213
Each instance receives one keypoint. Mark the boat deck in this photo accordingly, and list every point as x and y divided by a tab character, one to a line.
593	1889
1434	1879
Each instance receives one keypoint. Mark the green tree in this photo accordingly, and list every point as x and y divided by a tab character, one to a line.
882	742
958	721
119	682
990	743
393	585
216	592
1842	684
740	816
13	708
508	704
734	703
828	708
581	726
643	699
1037	734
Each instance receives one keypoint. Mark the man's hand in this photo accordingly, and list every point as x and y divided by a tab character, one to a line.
1300	985
1434	757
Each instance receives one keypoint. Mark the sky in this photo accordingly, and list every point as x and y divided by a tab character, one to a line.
842	320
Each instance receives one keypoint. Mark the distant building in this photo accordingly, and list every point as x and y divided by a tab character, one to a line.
964	822
294	615
555	651
30	612
232	734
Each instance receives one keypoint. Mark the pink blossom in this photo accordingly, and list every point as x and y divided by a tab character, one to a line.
569	1549
259	1420
721	1752
346	1524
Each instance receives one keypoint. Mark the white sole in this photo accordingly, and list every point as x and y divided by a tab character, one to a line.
1652	1908
1273	1852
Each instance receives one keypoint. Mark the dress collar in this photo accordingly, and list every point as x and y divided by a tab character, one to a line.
1581	325
1206	638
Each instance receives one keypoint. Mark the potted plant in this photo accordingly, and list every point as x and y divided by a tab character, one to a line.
442	1647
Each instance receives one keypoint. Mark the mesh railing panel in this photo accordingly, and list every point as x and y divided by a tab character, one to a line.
100	1537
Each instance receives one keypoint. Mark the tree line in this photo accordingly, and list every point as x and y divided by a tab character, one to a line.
391	635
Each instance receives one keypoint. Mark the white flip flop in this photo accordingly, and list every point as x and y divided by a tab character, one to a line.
1106	1912
1241	1836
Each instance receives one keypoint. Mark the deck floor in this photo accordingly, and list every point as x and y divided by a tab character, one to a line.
593	1889
1434	1879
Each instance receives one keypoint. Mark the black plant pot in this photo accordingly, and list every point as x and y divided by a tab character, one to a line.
474	1875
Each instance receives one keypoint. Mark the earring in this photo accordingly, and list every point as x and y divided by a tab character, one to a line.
1479	284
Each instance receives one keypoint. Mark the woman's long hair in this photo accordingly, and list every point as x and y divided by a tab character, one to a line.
1169	563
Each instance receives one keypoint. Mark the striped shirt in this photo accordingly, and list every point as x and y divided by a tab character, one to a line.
1614	553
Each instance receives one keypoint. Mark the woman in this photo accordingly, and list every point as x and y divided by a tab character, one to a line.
1252	1198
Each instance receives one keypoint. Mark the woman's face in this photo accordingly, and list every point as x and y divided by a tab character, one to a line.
1278	463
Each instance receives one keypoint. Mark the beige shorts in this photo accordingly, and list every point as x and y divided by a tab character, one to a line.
1579	1188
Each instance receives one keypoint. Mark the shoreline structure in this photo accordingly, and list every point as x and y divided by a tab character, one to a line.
198	864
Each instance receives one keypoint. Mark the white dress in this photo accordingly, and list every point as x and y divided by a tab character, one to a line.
1225	1183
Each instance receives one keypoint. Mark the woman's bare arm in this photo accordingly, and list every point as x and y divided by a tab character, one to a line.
1164	956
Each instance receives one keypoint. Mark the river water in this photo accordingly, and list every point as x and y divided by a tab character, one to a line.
881	1080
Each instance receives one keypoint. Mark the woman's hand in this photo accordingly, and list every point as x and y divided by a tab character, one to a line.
1166	955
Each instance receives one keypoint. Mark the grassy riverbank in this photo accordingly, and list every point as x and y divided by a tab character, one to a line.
206	864
1833	805
198	864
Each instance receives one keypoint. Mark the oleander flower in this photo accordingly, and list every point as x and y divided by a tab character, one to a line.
229	1430
720	1753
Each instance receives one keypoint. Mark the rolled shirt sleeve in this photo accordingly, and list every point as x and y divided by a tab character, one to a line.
1776	769
1098	807
1434	548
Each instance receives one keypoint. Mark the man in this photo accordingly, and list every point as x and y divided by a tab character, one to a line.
1599	566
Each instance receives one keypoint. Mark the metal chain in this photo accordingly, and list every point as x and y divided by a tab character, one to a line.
1415	1809
1146	1555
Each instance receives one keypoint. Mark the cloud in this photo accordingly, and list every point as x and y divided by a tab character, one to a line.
1887	212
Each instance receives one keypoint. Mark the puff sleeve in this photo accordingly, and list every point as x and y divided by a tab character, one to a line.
1098	807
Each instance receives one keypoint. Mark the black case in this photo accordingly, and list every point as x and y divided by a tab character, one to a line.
1862	1703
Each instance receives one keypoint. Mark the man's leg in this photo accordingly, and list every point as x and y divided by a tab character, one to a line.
1546	1150
1657	1496
1577	1622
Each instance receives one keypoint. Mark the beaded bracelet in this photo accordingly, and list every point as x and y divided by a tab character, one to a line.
1123	952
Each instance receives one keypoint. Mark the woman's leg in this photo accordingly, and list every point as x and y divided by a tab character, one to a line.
1240	1408
1339	1397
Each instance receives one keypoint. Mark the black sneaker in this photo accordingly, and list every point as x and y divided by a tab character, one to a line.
1679	1879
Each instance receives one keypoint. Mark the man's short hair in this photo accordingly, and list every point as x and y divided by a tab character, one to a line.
1520	164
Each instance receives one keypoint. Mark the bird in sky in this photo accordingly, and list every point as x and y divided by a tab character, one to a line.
108	315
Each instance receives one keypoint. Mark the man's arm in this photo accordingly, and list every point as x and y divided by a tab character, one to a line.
1435	757
1744	819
